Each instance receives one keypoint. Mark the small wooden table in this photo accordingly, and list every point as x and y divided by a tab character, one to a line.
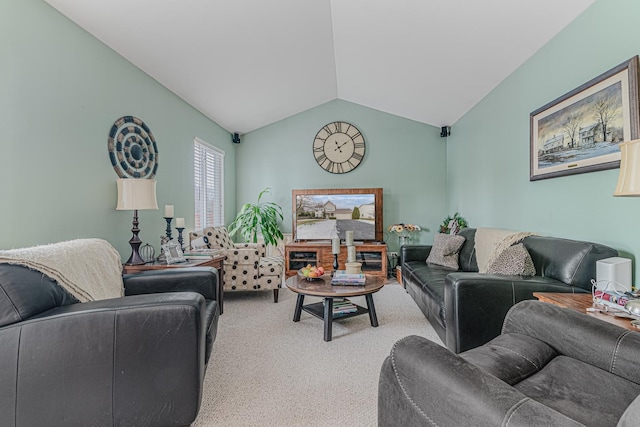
216	262
580	302
324	309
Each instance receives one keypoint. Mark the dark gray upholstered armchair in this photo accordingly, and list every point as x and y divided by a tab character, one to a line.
550	367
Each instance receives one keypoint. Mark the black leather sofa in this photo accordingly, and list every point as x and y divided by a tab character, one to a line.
550	366
138	360
467	308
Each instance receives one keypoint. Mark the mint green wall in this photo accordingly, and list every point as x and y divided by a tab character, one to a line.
404	157
488	150
61	90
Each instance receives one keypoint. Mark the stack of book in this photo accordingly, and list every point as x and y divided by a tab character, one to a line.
202	254
344	306
341	278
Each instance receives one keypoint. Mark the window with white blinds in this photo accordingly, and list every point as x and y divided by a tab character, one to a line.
208	173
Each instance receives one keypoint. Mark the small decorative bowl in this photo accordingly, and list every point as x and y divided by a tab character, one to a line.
310	279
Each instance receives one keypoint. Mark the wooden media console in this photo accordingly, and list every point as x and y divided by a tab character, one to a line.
373	257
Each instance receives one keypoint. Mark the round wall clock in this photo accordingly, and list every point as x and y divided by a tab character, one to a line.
338	147
132	149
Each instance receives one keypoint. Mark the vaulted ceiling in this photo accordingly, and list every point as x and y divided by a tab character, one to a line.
249	63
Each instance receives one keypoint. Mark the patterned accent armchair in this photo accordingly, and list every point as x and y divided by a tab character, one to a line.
246	266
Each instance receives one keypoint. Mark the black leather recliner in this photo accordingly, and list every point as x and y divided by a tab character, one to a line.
550	366
138	360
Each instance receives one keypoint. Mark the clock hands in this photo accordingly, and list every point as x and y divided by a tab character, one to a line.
339	146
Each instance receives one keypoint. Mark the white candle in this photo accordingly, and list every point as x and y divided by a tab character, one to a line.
168	211
179	222
349	237
351	253
335	245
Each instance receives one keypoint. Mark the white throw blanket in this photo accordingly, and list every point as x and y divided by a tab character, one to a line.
490	242
89	269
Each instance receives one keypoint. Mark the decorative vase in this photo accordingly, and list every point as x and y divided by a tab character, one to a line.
403	240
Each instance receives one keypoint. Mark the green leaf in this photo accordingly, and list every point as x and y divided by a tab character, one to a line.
256	219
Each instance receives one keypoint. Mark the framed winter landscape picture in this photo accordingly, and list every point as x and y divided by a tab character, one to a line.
580	131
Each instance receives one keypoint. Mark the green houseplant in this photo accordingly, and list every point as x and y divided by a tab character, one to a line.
258	219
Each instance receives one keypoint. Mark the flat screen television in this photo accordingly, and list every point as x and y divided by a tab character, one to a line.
322	214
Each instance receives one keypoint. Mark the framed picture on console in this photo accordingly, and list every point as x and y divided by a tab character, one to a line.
580	131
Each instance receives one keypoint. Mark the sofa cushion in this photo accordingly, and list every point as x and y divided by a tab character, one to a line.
569	261
25	293
513	260
511	357
581	391
467	256
427	283
445	250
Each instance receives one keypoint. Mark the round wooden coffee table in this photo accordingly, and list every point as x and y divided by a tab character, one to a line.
322	287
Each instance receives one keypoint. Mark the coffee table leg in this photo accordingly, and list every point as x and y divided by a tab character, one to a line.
298	310
372	310
328	318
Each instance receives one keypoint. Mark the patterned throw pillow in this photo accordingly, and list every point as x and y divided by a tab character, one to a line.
515	260
445	250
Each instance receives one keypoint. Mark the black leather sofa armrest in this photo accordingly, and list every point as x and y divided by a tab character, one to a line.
424	384
414	253
203	280
106	362
609	347
476	304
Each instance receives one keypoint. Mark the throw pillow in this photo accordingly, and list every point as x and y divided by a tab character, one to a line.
445	250
515	260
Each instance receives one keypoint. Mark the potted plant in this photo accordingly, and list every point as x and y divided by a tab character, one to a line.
453	225
258	219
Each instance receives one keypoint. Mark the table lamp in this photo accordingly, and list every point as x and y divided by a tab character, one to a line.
136	194
629	177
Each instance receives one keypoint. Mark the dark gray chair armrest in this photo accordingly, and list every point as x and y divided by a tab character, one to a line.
414	253
476	304
609	347
105	363
203	280
423	384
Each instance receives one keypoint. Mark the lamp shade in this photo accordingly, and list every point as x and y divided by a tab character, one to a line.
629	178
136	193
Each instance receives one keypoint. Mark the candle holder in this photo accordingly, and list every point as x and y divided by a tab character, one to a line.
335	264
180	229
168	219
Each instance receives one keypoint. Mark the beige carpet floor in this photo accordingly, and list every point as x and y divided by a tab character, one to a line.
266	370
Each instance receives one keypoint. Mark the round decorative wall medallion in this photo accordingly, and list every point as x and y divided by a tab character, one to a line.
132	149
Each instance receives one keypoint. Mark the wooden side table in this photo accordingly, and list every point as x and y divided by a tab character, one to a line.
580	302
216	262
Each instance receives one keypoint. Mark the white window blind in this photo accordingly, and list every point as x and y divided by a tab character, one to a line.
208	173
